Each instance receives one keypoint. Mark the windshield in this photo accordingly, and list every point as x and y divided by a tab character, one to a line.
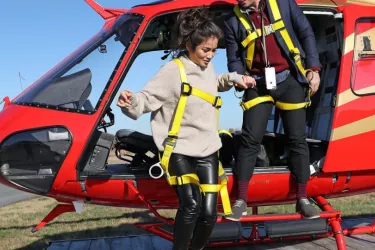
77	83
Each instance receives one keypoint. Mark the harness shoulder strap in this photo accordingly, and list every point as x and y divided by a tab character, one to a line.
176	123
187	90
286	37
250	39
254	34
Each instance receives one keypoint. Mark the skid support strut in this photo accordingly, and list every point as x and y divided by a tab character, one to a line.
57	211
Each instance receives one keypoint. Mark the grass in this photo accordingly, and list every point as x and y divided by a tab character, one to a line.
95	221
18	219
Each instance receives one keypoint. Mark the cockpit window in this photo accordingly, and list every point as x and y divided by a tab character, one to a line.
77	83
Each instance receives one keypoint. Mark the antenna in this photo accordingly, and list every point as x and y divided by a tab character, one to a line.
21	78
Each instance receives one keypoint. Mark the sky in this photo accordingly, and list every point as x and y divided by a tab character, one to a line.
38	34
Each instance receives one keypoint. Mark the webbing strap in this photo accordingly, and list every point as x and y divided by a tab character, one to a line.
293	106
278	25
222	188
182	70
280	105
223	131
251	44
171	140
250	39
269	29
214	100
249	104
284	33
186	90
181	104
184	179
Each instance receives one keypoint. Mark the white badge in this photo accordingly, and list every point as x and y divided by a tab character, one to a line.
270	78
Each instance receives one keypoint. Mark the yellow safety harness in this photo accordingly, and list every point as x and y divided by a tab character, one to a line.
249	42
187	90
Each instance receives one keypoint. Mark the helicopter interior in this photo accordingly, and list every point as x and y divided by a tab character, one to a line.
136	152
71	91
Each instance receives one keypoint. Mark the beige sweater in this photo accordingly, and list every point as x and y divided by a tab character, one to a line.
198	136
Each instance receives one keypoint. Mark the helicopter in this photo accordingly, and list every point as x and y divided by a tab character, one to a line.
63	154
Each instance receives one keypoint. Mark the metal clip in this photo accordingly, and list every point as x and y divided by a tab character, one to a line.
83	186
268	29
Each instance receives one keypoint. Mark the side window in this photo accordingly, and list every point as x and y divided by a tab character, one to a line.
362	79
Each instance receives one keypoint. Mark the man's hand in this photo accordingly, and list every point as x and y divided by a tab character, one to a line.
124	99
314	81
247	81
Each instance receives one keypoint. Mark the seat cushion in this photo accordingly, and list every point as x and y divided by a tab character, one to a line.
136	139
128	133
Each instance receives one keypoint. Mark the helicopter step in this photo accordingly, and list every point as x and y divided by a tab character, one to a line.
231	231
278	229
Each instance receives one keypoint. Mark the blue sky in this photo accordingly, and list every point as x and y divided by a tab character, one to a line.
38	34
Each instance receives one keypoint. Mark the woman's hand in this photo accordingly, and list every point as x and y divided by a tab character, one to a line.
124	99
247	81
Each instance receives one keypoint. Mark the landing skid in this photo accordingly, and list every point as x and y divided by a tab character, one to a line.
333	219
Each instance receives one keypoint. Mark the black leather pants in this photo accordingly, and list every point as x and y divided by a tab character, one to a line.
197	213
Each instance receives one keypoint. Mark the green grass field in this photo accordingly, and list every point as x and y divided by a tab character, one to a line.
18	219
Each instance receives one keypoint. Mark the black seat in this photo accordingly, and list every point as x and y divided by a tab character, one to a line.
140	145
70	91
136	139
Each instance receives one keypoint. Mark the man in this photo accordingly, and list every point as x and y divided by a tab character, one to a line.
285	64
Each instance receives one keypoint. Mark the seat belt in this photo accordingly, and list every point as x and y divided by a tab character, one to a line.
216	101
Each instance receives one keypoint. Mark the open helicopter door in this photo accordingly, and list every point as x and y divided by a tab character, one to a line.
353	129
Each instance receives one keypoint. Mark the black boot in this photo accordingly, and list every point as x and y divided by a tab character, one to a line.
202	232
182	233
307	210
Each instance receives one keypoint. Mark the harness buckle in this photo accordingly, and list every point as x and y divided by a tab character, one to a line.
171	140
186	88
295	54
242	104
268	29
217	103
180	180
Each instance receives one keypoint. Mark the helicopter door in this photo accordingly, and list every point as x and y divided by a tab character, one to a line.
353	130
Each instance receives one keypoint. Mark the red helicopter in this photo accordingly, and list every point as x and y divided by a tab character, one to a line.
64	153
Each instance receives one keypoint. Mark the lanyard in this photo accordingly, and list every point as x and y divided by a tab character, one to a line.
264	40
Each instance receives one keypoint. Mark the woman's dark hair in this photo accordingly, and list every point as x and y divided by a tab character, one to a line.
193	26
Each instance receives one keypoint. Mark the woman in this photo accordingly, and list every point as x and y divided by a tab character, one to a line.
196	147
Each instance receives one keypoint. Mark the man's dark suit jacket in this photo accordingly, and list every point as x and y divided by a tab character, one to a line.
298	27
